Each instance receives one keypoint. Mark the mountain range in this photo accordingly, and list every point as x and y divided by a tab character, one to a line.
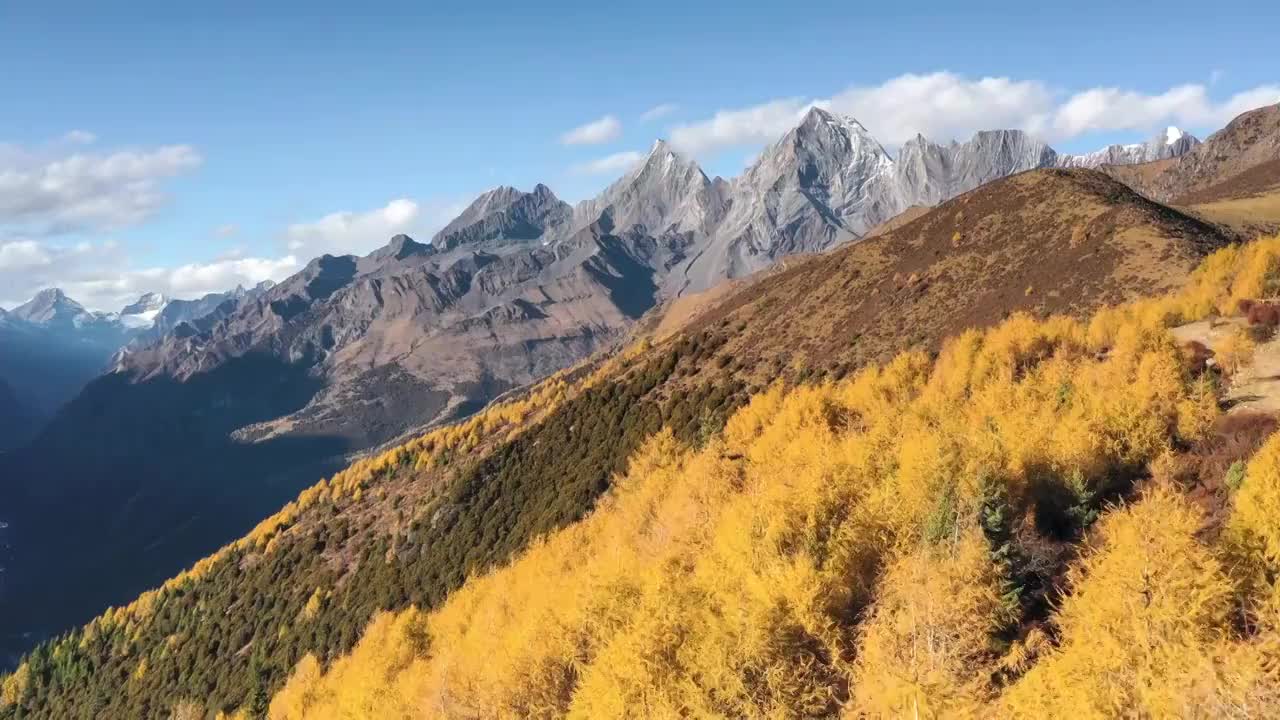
254	398
521	284
408	527
51	346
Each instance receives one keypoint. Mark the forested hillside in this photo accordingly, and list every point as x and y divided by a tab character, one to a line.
1048	515
407	528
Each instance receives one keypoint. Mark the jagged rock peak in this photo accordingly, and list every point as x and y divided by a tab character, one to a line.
49	305
1167	143
400	247
668	192
504	213
147	302
817	117
663	159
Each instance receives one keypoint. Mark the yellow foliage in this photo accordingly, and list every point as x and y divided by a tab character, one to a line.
1234	351
313	604
732	581
923	652
14	686
140	670
1144	630
359	684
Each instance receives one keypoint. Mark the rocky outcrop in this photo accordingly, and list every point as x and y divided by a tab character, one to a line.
504	213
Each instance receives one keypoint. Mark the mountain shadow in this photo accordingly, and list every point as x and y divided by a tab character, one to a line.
133	479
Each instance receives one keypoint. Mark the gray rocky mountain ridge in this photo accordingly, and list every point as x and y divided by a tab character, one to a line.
271	389
825	182
522	283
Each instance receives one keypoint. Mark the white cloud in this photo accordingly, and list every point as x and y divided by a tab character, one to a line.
100	276
944	106
357	233
658	111
593	133
754	125
196	279
22	255
615	163
80	137
51	191
1103	109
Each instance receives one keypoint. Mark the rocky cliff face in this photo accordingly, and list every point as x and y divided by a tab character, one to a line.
504	214
1169	143
828	181
666	194
414	333
928	173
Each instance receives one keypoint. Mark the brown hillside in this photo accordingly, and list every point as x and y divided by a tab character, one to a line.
1248	203
1046	241
897	221
1224	166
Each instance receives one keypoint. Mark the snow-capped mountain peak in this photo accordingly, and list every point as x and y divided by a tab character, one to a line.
50	306
1172	135
143	312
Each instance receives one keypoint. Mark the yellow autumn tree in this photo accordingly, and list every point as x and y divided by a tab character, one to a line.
926	649
822	555
1147	609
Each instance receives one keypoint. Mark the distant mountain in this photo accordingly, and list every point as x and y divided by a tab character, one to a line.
504	214
928	173
1172	142
814	188
826	182
666	194
175	312
1242	158
51	345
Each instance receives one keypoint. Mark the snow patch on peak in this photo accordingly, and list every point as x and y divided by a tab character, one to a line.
143	313
1172	135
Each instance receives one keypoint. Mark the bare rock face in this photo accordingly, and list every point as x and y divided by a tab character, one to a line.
504	213
928	173
667	193
1169	143
415	333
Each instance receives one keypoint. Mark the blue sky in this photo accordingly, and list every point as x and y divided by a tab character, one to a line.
192	147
